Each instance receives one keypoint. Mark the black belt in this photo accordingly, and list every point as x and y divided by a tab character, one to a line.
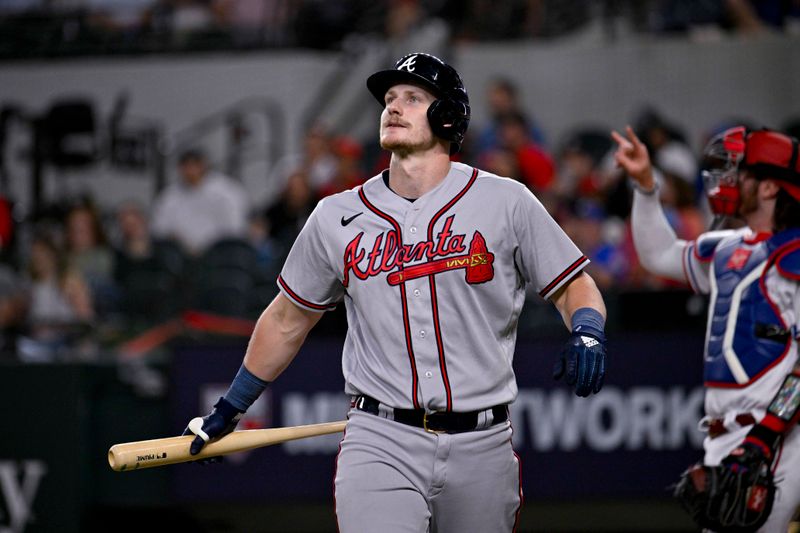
436	422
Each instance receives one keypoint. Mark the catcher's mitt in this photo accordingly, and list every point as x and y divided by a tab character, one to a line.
736	497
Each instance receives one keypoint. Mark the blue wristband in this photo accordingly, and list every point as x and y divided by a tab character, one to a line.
588	320
245	389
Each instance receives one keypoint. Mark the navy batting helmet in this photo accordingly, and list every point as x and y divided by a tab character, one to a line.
449	114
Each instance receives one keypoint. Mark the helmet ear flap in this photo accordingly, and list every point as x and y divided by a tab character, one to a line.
449	120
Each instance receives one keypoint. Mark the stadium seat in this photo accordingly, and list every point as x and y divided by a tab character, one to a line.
227	291
231	253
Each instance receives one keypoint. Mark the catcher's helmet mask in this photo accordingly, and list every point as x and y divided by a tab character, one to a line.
767	154
449	114
721	158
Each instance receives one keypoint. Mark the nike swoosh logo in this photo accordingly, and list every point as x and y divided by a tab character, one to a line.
346	221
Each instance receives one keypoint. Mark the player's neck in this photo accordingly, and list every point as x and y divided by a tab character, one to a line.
760	221
413	175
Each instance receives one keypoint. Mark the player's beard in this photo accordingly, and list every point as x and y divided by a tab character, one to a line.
408	144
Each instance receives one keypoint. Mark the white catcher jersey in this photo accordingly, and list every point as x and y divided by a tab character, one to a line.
433	288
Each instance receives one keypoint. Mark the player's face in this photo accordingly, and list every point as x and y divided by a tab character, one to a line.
404	121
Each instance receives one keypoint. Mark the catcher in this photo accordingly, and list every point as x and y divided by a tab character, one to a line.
748	479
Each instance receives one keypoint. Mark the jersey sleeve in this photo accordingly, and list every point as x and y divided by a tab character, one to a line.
545	256
659	249
308	277
697	257
788	266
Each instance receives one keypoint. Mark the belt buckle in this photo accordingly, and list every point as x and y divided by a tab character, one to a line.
425	425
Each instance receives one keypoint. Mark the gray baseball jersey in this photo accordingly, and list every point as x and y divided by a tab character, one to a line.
433	288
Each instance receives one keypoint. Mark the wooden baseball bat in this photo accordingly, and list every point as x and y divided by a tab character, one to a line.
128	456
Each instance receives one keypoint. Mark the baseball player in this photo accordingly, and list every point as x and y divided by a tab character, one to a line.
751	371
431	259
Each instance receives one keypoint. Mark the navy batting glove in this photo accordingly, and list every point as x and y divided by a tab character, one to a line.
221	421
582	362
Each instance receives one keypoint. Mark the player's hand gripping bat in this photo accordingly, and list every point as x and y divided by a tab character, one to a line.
158	452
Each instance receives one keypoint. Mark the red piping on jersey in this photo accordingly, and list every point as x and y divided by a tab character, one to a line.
699	257
440	344
451	202
410	348
335	471
519	466
434	301
757	238
521	498
791	247
302	301
406	324
570	269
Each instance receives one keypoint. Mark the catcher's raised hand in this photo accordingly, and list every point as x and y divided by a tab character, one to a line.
633	158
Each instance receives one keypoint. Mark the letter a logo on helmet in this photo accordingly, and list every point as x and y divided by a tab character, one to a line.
408	64
449	114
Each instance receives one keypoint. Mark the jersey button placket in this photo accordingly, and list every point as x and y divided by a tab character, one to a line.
420	317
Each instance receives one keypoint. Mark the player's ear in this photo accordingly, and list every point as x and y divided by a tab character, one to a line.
768	189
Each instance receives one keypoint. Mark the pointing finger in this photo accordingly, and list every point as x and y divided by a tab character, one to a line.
633	137
621	141
625	150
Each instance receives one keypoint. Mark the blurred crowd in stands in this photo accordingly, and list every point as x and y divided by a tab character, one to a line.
36	28
78	279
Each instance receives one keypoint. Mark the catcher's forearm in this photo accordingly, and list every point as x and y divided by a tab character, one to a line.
786	403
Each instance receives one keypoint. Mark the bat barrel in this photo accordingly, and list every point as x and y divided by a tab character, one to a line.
149	453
